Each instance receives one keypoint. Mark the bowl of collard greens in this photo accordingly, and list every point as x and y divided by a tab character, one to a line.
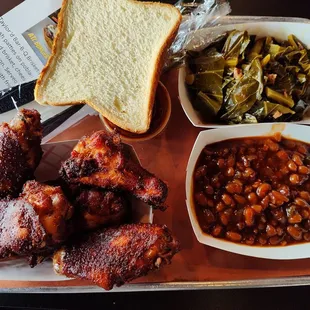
255	72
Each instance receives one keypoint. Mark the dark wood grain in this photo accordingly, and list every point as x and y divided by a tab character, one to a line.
6	5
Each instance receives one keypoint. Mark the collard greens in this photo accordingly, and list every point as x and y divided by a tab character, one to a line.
244	79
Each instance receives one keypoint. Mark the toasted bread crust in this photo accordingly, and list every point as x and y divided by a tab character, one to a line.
58	42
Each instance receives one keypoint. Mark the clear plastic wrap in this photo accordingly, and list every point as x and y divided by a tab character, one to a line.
197	14
54	119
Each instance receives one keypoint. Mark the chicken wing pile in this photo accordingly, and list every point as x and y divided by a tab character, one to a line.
81	216
20	151
100	160
35	222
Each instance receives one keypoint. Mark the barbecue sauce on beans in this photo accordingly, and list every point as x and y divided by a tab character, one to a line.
254	191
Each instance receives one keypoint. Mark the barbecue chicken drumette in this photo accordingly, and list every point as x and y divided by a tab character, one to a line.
35	222
95	207
101	160
114	256
20	151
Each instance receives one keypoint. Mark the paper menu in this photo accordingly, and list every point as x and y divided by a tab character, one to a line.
25	34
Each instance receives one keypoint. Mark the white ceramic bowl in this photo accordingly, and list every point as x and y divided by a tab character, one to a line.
277	29
292	131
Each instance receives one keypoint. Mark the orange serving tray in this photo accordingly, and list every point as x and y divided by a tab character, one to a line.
196	266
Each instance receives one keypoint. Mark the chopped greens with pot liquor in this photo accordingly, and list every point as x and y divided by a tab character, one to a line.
243	79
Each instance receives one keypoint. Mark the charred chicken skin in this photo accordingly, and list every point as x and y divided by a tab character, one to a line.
95	208
114	256
20	151
53	208
100	160
35	222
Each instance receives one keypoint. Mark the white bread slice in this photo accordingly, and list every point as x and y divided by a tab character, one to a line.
108	54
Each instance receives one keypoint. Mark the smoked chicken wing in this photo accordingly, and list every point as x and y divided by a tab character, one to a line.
114	256
95	207
20	151
35	222
100	160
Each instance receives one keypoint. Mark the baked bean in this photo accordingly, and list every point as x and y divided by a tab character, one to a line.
305	195
208	216
234	188
273	146
240	225
290	144
248	189
262	240
284	190
233	236
257	208
296	158
306	236
201	199
303	170
282	155
265	202
256	184
305	214
252	198
302	149
224	219
292	166
275	240
280	231
249	173
229	212
278	216
240	199
220	207
227	199
209	190
200	172
221	163
270	231
231	161
277	198
217	231
210	203
230	172
250	240
294	179
263	190
284	170
295	218
295	232
249	216
301	202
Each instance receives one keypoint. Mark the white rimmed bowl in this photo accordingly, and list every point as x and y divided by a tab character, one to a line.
277	29
291	131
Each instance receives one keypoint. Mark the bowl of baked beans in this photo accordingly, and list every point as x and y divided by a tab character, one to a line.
248	190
